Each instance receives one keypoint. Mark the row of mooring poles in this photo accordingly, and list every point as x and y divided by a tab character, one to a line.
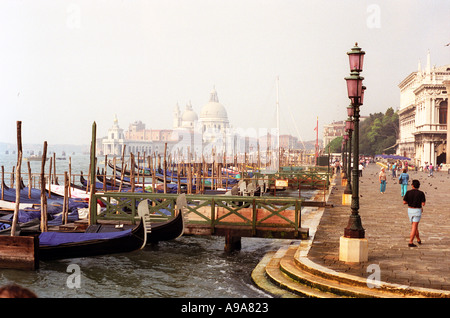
43	196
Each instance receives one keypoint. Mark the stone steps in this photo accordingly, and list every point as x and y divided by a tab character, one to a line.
287	270
284	281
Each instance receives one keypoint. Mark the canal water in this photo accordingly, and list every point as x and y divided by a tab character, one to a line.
190	266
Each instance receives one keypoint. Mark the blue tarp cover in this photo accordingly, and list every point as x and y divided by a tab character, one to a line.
57	238
393	157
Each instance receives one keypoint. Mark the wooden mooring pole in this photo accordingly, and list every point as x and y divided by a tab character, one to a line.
18	252
92	204
19	164
43	194
232	243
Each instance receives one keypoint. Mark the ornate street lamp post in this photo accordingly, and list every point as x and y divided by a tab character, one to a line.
349	129
354	228
343	158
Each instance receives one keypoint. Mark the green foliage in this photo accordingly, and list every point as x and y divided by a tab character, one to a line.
335	145
378	133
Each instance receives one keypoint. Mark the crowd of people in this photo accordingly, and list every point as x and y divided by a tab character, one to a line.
413	198
395	167
338	167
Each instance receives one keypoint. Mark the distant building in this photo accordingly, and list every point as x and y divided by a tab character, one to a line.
423	114
114	141
332	131
288	142
214	119
190	134
188	119
197	135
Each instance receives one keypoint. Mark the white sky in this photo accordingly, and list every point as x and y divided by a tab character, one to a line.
65	64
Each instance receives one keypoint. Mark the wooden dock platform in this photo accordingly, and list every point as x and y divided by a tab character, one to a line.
19	252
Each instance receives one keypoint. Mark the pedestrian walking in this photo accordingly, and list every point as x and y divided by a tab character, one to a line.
415	199
382	179
394	170
337	166
430	168
360	168
403	180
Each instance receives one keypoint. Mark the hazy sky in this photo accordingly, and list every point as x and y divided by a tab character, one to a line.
65	64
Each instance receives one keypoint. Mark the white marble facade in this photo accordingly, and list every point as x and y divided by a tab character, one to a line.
423	114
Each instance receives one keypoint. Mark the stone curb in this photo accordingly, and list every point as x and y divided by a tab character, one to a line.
303	263
300	263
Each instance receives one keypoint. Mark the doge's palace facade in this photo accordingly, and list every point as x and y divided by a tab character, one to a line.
423	114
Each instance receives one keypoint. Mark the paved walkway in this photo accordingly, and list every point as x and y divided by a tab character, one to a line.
385	220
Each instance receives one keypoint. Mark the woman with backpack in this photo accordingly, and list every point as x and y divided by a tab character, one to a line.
403	180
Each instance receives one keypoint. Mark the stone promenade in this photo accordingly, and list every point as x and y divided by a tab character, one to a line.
384	218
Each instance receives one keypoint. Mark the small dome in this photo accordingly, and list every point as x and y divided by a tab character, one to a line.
189	117
213	109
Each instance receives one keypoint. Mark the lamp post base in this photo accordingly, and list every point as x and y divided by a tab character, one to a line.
352	233
354	227
353	250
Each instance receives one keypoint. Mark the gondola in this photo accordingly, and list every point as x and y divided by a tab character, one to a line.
207	182
97	240
167	230
54	203
102	239
126	185
174	177
118	169
98	185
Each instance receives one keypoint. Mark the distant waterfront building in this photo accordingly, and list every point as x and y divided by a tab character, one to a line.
187	120
288	142
199	136
114	141
190	134
332	131
423	114
137	139
214	119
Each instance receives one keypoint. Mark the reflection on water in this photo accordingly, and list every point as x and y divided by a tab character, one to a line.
186	267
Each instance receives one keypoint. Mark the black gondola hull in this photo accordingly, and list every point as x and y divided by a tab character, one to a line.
166	231
125	244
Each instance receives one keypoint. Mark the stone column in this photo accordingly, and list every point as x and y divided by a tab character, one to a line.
433	113
432	153
447	158
426	151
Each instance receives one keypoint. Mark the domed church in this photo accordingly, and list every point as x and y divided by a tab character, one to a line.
187	120
207	133
213	120
214	117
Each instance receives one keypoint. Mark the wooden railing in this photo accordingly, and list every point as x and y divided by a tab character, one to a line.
249	214
314	179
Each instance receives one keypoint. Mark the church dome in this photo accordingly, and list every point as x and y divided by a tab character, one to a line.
213	109
189	115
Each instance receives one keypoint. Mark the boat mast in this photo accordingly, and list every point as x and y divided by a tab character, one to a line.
278	125
317	139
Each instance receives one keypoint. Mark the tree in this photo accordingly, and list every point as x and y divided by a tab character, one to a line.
335	145
379	133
